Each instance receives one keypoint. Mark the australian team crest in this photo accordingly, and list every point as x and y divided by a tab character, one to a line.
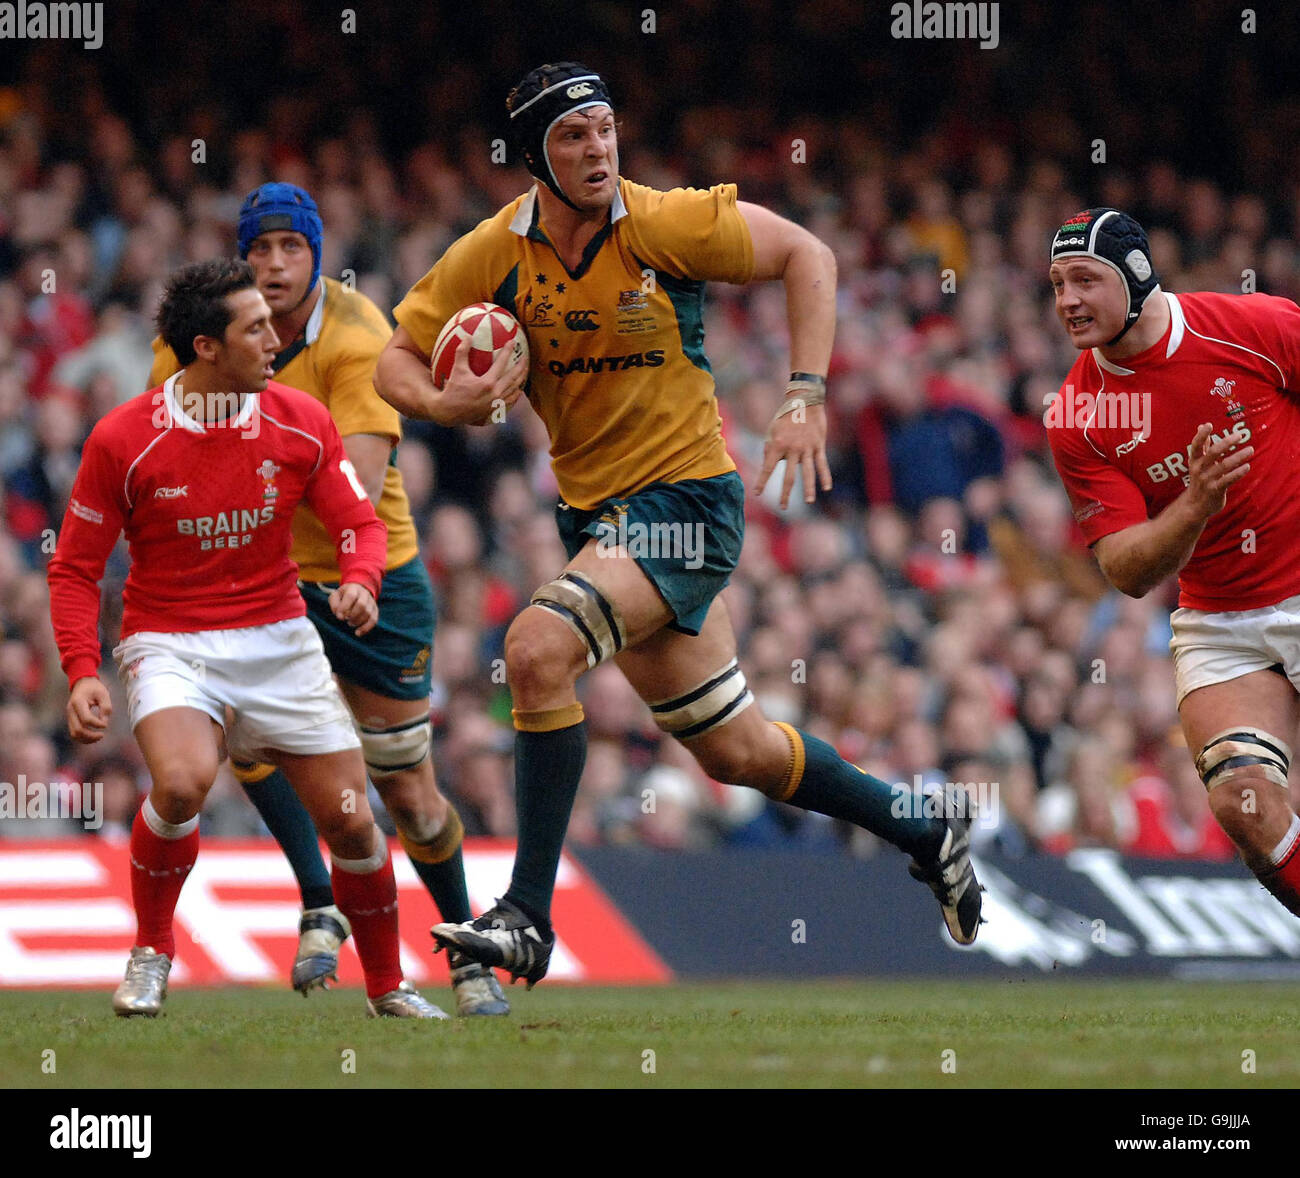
633	315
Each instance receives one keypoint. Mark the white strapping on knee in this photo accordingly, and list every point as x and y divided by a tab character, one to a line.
1283	849
364	866
171	831
1251	749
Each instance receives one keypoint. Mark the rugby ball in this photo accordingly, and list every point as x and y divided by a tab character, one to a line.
483	328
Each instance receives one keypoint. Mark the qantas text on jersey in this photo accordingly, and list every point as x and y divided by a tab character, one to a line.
1232	362
206	512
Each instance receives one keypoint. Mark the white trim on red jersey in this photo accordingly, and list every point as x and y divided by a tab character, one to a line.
126	478
320	446
1230	344
1177	324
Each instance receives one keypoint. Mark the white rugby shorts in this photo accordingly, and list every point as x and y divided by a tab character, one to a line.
1211	648
275	680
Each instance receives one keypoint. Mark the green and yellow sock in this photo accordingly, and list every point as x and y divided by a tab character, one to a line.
819	779
550	751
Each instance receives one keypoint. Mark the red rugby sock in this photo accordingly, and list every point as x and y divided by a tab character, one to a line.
160	864
368	898
1283	877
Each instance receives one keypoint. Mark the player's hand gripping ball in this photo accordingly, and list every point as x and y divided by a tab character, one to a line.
485	329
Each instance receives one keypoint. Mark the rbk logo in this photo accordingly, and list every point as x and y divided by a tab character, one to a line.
172	492
580	320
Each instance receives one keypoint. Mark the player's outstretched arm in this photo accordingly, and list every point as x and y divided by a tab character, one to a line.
403	378
1139	558
806	266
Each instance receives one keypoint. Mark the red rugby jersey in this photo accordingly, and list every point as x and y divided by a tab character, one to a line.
1120	434
207	513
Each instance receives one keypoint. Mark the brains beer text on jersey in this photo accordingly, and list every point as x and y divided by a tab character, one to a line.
1177	463
226	529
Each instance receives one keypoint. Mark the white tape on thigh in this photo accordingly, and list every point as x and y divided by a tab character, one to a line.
587	612
720	698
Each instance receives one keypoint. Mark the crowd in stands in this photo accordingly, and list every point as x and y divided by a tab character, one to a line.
936	616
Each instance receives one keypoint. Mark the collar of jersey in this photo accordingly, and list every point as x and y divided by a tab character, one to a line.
310	333
525	224
1177	329
177	416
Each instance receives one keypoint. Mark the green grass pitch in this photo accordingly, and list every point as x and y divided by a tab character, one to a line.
1033	1034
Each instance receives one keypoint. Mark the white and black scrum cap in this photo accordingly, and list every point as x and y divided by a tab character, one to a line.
1121	243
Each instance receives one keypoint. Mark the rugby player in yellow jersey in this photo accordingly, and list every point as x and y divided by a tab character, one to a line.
330	337
607	278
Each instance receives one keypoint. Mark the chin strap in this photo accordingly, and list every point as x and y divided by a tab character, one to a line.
1122	333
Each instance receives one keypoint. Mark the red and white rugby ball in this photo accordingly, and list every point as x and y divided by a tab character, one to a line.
483	328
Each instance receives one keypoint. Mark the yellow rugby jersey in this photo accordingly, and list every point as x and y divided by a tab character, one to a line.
618	371
334	361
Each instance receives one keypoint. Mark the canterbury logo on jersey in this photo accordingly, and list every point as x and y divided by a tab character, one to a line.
652	359
580	320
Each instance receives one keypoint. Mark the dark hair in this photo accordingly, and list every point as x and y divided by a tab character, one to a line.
194	302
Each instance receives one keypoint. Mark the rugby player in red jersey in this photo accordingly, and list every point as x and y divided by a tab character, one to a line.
204	474
1177	435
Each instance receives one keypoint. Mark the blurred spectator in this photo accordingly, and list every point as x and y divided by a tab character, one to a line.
1173	821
